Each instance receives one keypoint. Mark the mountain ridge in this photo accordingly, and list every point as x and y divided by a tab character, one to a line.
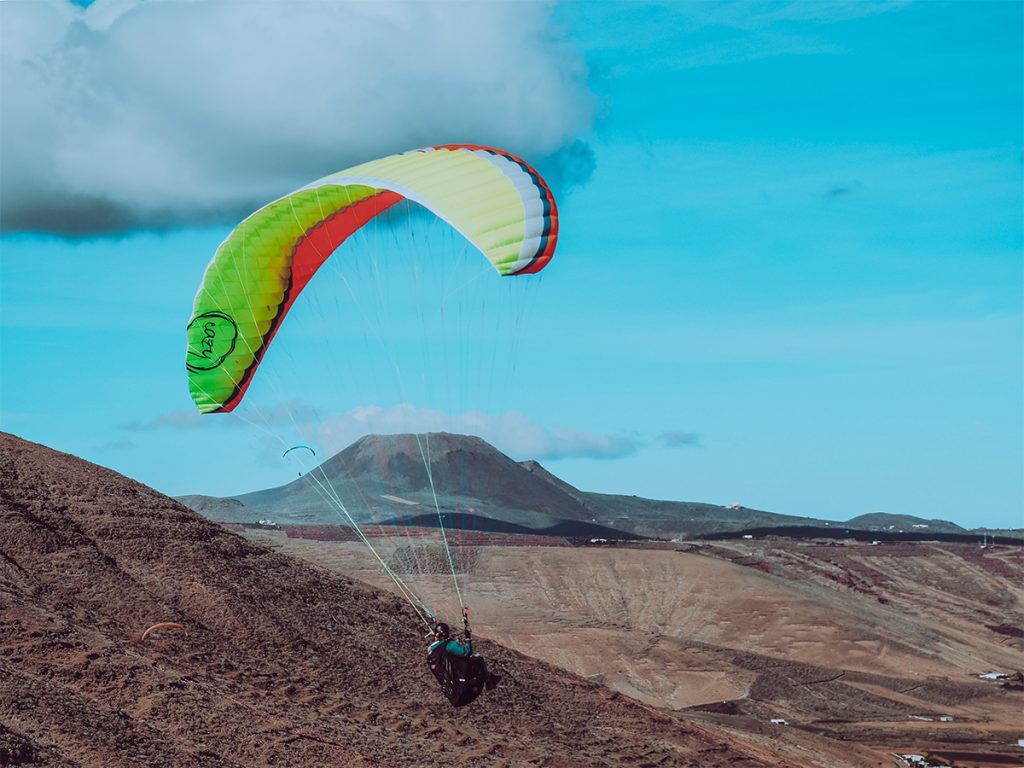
382	479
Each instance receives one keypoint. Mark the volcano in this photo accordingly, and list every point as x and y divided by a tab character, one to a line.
397	479
386	477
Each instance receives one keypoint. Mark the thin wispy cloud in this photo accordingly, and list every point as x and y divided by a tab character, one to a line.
117	444
170	420
514	433
278	415
741	31
753	16
128	113
677	439
843	190
747	47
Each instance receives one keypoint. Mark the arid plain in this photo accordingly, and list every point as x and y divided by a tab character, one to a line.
879	645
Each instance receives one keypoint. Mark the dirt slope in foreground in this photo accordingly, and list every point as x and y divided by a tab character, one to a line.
287	665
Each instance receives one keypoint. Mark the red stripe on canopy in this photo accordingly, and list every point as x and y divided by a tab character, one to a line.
308	255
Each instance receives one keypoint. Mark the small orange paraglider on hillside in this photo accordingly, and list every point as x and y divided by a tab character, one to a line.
164	625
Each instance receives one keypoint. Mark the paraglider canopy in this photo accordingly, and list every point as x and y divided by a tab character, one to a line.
163	625
297	447
495	200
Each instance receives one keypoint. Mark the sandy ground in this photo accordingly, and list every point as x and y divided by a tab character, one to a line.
848	641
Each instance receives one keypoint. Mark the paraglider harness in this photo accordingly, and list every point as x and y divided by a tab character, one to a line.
461	677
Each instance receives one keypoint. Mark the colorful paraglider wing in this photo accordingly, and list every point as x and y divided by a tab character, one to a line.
296	448
164	625
498	203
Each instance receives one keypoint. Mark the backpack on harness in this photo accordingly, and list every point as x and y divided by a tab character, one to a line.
461	677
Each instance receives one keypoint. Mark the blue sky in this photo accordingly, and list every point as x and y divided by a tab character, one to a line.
789	273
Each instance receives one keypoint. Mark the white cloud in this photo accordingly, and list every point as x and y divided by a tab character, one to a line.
511	432
132	113
281	414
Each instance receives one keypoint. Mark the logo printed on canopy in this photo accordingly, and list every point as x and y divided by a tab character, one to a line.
211	338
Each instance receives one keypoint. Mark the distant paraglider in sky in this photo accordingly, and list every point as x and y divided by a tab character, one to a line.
301	454
298	447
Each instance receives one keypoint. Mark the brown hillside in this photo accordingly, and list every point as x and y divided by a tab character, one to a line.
877	646
286	665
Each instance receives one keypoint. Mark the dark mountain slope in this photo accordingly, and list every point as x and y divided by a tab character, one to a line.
536	468
879	521
650	517
286	665
383	479
226	510
462	522
468	475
